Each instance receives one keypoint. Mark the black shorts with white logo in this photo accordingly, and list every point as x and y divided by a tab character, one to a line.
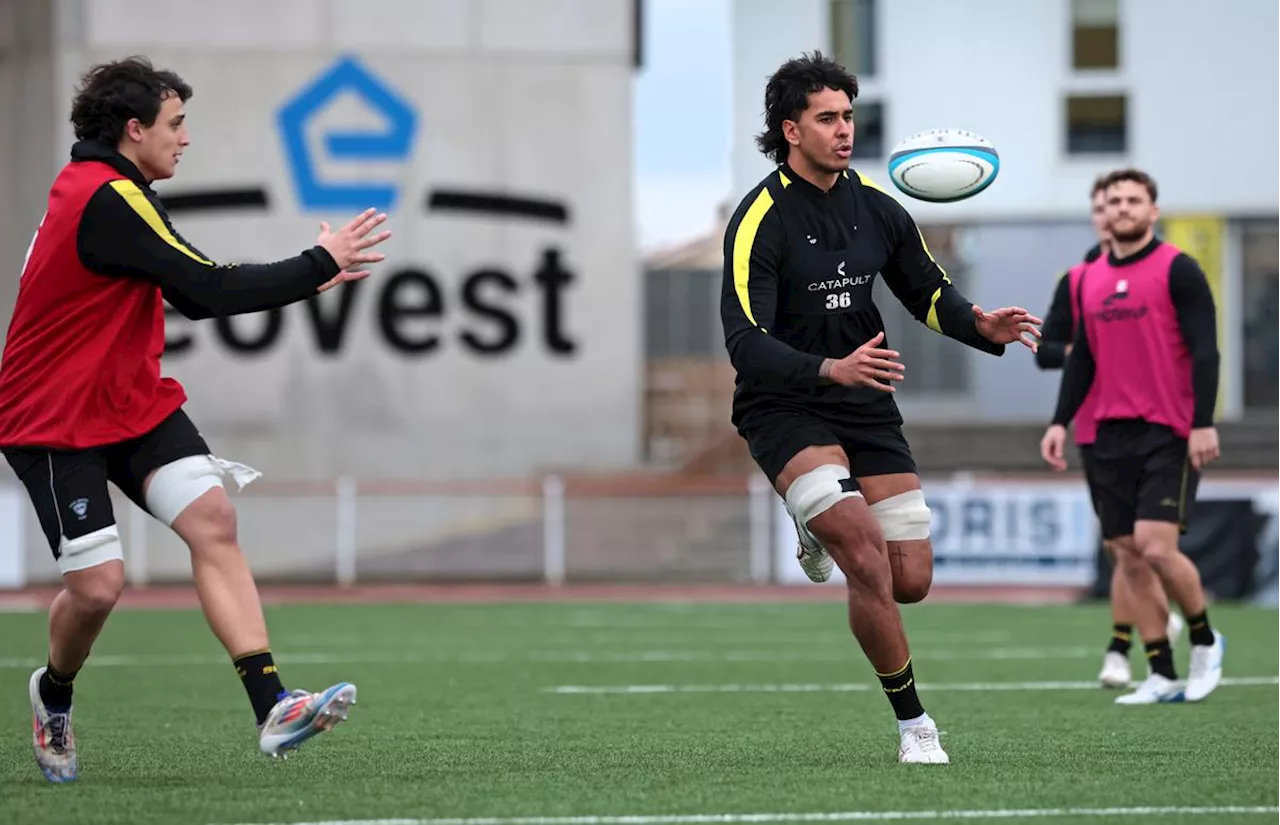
1140	472
69	487
776	434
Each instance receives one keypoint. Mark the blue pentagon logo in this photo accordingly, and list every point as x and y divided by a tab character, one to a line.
391	140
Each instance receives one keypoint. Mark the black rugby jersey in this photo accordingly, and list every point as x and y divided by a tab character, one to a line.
799	265
1059	324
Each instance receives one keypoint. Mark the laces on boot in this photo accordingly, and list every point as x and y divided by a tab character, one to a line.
58	733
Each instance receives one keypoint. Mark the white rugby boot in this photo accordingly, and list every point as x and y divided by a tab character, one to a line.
1116	672
814	559
1205	671
301	715
1155	689
51	736
919	744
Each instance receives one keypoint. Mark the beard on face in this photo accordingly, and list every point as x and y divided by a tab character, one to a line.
1130	235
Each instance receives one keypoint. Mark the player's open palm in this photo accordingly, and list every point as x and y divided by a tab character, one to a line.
349	246
1008	325
868	366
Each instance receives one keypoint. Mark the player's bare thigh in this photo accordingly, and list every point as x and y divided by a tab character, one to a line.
910	560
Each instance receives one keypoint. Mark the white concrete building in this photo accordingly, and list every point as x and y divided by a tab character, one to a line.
1065	89
500	339
507	305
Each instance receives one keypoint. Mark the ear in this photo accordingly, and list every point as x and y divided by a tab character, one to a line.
133	130
791	131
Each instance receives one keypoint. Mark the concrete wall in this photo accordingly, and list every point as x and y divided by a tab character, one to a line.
762	40
487	345
28	31
448	360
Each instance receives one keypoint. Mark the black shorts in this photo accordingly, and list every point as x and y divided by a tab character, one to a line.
69	487
774	436
1140	472
1090	474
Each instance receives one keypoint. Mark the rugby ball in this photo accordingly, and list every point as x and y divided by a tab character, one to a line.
943	165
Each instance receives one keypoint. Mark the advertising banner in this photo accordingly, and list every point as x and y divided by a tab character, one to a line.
1045	534
991	534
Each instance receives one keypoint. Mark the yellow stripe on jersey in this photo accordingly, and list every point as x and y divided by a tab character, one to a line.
138	202
742	242
932	319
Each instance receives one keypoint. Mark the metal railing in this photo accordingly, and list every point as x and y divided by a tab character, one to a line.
558	529
551	529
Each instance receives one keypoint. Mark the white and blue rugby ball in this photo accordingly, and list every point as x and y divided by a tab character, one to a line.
943	165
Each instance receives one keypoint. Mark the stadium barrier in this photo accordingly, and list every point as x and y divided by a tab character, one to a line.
988	531
1038	532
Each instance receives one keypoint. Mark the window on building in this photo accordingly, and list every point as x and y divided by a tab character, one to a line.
1095	34
868	136
681	314
1260	272
1096	124
853	35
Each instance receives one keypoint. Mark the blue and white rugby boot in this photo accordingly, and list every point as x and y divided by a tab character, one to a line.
301	715
51	736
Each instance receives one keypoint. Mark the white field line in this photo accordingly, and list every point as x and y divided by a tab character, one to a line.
746	635
566	656
841	816
670	638
612	621
841	653
859	687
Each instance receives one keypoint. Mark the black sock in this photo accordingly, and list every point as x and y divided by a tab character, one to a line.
261	682
1201	633
1160	657
55	690
900	687
1121	639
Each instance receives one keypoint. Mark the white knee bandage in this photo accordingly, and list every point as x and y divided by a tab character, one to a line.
904	517
817	491
96	548
175	485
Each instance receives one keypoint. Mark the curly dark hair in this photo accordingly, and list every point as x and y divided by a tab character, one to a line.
786	96
1135	176
112	94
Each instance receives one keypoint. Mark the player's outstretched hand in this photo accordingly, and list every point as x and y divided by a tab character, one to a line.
1202	446
1008	325
1052	446
349	246
866	366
